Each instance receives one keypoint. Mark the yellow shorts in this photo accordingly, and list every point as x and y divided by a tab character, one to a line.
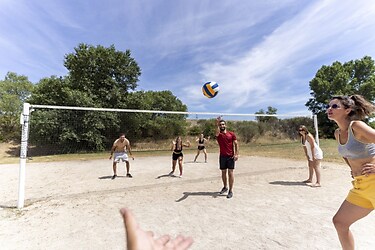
363	192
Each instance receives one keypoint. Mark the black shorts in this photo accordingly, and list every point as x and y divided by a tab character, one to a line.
200	147
226	162
176	156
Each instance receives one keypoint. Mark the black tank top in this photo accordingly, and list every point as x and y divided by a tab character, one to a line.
177	150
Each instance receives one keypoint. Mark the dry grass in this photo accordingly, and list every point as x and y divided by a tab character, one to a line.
266	147
291	150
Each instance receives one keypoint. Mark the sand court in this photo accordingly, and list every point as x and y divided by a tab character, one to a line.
75	204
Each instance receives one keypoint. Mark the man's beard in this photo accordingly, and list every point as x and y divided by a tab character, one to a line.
222	129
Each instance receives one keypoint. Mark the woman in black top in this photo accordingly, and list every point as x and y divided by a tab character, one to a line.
177	154
201	146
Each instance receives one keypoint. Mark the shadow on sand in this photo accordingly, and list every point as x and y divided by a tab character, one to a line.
288	183
110	177
187	194
167	175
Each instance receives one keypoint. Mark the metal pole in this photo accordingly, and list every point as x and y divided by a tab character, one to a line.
316	129
24	120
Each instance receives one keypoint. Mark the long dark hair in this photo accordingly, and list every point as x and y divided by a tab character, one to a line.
179	143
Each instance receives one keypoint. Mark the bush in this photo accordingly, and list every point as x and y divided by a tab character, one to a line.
246	131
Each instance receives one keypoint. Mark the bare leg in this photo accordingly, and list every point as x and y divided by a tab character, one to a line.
127	167
114	167
224	177
317	172
180	165
231	179
197	155
346	215
205	155
173	166
311	172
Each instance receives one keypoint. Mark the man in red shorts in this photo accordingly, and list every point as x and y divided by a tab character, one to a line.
228	155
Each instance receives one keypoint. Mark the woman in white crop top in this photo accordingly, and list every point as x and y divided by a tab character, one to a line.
313	154
356	143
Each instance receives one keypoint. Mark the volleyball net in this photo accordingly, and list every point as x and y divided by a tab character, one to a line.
53	130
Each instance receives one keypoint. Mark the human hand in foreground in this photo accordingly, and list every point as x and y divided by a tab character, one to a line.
138	239
368	168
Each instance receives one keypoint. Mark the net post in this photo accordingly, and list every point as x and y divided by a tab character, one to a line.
24	120
315	117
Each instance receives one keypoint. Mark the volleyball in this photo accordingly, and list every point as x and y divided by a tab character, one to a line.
210	89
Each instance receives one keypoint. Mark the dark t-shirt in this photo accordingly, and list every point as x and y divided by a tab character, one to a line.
225	141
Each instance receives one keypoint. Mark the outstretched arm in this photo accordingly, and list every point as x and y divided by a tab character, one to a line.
138	239
218	119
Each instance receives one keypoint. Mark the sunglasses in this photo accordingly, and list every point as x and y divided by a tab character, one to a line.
300	130
333	106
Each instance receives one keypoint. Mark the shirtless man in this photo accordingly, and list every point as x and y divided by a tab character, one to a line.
120	148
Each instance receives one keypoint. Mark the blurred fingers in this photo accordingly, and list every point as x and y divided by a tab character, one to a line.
131	227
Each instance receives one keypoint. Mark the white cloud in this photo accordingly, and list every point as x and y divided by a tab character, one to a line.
260	52
326	27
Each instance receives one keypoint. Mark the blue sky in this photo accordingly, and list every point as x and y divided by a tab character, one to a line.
262	53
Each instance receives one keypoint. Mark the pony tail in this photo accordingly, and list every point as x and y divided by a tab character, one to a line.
361	106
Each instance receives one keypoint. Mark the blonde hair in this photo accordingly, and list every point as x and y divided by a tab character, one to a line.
304	128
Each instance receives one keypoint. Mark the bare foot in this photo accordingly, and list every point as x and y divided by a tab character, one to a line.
316	185
307	181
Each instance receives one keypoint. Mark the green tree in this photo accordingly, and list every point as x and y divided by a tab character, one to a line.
267	123
247	131
153	125
353	77
72	131
14	91
270	111
105	74
97	77
207	127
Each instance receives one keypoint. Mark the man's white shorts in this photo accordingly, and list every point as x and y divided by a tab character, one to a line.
120	156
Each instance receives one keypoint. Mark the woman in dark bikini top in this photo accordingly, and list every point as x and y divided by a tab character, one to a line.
201	141
177	154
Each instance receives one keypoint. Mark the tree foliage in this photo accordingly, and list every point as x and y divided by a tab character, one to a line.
104	78
267	123
270	111
105	74
14	91
353	77
153	125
